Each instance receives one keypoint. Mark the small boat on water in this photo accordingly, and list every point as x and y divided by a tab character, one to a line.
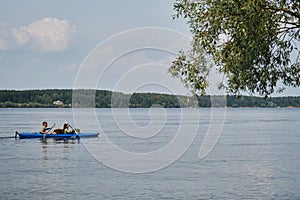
29	135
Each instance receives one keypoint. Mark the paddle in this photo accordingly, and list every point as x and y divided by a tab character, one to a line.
49	129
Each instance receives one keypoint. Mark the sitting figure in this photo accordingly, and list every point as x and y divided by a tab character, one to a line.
45	130
67	128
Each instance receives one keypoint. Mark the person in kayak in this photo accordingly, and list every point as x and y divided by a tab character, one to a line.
45	129
67	129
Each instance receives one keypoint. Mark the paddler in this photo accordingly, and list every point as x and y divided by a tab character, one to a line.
45	129
67	129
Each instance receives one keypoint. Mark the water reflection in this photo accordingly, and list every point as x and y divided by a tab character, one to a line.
52	142
44	150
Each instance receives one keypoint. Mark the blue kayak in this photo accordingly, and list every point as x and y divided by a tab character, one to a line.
28	135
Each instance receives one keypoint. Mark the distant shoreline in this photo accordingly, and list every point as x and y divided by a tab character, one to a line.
68	98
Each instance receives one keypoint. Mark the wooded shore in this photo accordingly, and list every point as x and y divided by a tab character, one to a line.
66	98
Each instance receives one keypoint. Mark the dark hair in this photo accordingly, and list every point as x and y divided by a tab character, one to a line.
65	126
44	123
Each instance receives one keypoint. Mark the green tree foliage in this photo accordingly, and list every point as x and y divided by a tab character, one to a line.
252	42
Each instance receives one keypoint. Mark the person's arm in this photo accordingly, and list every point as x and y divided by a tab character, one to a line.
43	131
66	130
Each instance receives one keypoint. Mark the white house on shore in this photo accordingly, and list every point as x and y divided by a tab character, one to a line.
58	103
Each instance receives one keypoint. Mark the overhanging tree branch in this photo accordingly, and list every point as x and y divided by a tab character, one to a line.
261	41
285	10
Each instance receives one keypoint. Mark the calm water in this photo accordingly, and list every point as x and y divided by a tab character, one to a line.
256	156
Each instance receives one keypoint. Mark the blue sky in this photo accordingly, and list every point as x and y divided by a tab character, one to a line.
95	43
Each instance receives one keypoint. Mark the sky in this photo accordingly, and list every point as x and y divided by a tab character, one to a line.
124	46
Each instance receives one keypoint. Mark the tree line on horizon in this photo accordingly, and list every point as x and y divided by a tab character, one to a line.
108	99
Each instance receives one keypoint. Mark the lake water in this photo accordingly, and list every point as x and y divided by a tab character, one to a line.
255	157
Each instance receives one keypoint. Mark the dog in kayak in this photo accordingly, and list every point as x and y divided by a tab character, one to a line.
66	129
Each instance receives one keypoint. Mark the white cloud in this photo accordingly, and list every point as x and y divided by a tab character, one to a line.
48	34
21	36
